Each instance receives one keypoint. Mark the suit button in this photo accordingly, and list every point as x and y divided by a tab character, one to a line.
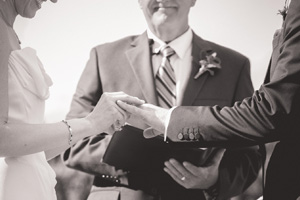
191	136
186	136
186	133
180	136
197	134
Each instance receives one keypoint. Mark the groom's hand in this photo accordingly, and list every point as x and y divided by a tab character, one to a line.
153	116
107	116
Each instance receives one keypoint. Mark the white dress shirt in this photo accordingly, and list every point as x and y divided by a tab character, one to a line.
181	61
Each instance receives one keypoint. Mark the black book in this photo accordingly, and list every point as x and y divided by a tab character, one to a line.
129	150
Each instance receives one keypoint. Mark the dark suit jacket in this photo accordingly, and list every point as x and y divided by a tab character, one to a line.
271	114
125	65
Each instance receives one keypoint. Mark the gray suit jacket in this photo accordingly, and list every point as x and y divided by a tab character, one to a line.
125	65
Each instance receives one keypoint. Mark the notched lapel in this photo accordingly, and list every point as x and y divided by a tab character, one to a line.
194	86
277	41
139	59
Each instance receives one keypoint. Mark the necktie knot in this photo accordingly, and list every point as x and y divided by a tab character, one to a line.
167	51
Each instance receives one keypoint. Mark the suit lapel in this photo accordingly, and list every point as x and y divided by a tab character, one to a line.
139	59
193	86
277	41
267	77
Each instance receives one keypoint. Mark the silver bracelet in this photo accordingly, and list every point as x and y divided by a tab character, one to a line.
70	131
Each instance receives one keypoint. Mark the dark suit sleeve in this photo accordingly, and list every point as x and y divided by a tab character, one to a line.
244	87
239	168
272	113
86	154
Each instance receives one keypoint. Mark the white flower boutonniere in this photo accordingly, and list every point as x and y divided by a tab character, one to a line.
284	11
209	63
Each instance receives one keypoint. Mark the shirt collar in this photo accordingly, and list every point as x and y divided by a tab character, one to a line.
180	45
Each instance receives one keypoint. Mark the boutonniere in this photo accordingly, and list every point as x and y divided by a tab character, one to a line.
284	11
209	63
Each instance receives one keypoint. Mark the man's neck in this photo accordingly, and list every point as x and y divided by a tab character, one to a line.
168	34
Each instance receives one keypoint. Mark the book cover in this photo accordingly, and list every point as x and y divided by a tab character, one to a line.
129	150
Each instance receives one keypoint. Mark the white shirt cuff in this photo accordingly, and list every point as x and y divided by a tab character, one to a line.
168	121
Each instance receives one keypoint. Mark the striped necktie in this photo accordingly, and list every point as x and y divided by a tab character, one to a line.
165	79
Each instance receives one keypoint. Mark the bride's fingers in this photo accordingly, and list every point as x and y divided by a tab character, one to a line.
110	130
131	109
125	114
130	99
120	120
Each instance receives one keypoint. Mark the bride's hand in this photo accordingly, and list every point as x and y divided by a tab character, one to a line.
107	116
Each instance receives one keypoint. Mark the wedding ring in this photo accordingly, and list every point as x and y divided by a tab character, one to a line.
183	178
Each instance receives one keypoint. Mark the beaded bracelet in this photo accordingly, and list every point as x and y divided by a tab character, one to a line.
70	131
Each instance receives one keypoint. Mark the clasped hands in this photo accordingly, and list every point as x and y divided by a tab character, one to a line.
115	109
155	117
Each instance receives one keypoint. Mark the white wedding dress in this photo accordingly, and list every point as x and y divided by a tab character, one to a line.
27	177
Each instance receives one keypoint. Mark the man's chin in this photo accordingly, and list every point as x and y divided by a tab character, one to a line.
168	12
161	18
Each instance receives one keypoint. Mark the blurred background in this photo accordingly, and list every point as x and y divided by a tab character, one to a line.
64	33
